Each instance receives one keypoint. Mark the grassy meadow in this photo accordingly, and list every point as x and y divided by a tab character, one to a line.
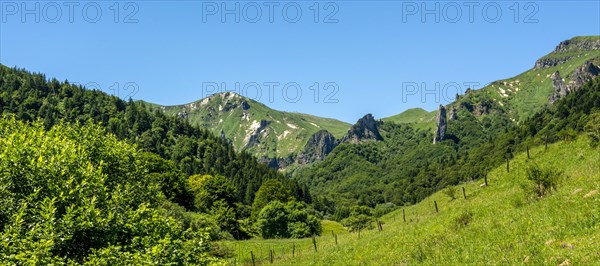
503	223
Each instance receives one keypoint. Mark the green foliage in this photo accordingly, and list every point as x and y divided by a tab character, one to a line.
361	217
450	192
382	209
464	219
215	195
592	128
191	149
74	194
210	190
544	179
279	220
271	190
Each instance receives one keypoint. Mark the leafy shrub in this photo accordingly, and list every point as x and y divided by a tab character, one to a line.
464	219
76	195
543	180
279	220
382	209
360	217
450	192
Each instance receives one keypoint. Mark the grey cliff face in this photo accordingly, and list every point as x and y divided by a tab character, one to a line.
317	148
367	128
560	88
580	76
441	123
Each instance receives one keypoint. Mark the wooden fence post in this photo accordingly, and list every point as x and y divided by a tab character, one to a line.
293	249
464	193
528	152
485	179
336	239
252	256
314	240
436	207
403	215
507	165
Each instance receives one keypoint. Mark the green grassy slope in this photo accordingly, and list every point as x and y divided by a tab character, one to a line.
520	96
507	226
417	116
285	135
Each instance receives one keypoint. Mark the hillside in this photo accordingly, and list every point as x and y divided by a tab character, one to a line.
416	116
474	134
189	149
502	223
523	95
254	127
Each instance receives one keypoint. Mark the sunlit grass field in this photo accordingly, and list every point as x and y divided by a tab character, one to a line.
501	224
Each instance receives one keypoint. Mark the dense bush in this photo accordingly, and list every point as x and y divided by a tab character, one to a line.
283	220
271	190
74	194
543	180
361	217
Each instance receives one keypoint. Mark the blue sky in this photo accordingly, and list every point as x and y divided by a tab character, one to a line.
173	52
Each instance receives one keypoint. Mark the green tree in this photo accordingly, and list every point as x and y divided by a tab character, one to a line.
279	220
270	190
209	190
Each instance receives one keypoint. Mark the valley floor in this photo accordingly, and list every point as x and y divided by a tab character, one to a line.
501	224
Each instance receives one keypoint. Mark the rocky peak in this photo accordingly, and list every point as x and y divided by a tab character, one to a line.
367	128
575	44
317	148
560	89
441	124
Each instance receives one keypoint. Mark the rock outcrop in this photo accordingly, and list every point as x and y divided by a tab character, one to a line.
183	115
560	89
276	163
551	62
367	128
452	113
580	76
317	148
441	124
565	47
255	137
